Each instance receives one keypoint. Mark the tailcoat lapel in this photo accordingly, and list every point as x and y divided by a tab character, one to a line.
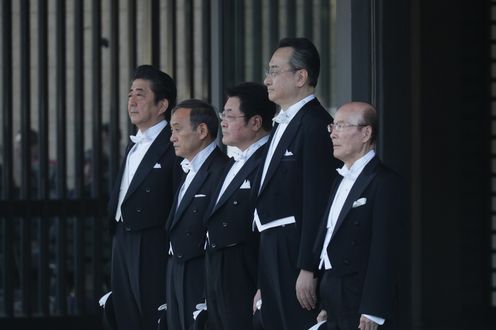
358	188
154	153
247	168
283	145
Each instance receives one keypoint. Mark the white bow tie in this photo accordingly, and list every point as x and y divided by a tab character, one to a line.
138	138
346	173
281	118
186	165
239	155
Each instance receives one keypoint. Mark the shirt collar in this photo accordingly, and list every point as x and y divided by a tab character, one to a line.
244	155
292	110
152	132
357	166
200	157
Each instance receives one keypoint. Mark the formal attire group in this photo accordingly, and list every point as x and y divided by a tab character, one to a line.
216	230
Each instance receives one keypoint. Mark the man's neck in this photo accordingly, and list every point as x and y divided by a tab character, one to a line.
302	93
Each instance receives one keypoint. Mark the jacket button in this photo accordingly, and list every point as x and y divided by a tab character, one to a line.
346	262
225	224
127	228
188	233
179	256
213	245
235	202
356	223
195	211
148	189
138	210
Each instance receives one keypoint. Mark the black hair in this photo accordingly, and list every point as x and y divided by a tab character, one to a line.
201	112
162	85
254	100
305	56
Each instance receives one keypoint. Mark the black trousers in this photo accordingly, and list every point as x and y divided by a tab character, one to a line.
341	299
185	289
137	275
231	285
277	280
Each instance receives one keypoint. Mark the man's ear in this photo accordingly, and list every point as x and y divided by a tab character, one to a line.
301	77
256	123
202	130
163	105
366	133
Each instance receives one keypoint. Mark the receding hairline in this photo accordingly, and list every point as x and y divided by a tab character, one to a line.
362	108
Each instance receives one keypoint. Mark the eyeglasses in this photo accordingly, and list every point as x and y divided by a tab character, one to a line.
229	118
274	73
338	127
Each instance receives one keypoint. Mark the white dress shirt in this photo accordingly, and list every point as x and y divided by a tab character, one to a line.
240	158
195	165
349	178
143	142
287	116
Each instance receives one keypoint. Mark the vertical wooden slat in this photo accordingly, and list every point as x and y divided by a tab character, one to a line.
79	151
7	168
308	19
324	22
239	43
114	89
273	12
26	190
155	25
206	75
217	58
97	189
132	47
291	18
60	68
96	108
44	178
256	35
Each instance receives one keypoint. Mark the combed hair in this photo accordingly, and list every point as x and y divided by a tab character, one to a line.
162	85
201	112
254	100
305	56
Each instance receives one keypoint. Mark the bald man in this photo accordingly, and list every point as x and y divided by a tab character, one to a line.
358	243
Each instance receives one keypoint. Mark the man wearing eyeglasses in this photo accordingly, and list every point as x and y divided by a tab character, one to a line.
297	172
232	251
359	239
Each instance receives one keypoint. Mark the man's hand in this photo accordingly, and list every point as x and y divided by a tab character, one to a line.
256	298
322	316
367	324
305	290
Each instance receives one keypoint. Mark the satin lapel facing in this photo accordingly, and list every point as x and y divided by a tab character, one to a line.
247	168
361	183
200	177
156	150
281	148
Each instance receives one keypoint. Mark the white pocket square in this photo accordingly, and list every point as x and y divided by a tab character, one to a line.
288	153
359	202
200	195
157	165
245	185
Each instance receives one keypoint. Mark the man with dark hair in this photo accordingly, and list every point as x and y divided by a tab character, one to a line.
359	243
232	251
140	202
296	173
194	125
